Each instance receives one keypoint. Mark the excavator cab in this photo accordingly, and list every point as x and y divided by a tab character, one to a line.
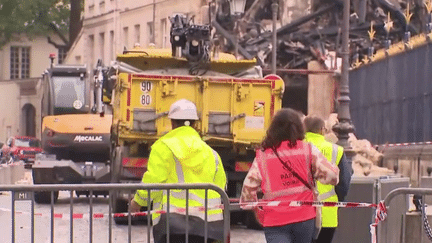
75	131
65	90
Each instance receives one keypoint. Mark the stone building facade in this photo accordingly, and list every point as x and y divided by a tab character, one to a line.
22	63
112	25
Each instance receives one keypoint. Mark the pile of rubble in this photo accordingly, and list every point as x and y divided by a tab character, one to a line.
366	159
317	29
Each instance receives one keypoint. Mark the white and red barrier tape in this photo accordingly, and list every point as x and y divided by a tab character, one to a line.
380	213
307	204
406	144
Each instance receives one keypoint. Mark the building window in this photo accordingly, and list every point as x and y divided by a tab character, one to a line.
150	32
61	55
8	131
91	6
102	46
164	32
125	37
19	62
111	45
102	6
137	34
29	120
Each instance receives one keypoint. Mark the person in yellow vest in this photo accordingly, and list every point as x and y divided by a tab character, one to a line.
181	156
315	131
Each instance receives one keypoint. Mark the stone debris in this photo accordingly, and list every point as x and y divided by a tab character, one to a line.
367	159
311	30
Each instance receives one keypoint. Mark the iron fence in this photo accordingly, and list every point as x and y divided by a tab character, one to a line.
27	192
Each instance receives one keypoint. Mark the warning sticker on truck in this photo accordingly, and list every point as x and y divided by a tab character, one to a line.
255	122
259	108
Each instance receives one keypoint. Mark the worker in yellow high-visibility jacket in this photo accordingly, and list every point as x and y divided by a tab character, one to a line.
181	156
315	131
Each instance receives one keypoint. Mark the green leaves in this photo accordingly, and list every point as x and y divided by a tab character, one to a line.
33	17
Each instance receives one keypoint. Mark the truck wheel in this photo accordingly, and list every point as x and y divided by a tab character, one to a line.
45	197
120	205
116	163
252	222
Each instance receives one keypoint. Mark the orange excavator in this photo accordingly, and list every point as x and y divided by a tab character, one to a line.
75	129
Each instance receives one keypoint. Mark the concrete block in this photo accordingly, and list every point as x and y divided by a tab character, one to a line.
17	172
2	177
6	174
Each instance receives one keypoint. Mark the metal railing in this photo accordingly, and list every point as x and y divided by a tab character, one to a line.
406	191
26	192
411	191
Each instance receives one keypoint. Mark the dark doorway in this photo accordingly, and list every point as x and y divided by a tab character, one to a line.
296	93
29	120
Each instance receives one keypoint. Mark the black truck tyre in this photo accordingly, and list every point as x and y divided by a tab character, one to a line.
45	197
119	203
116	163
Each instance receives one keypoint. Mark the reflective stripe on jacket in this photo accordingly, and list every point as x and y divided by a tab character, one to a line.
279	184
333	153
181	156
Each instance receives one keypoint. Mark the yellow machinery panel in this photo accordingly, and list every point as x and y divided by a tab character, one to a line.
153	59
231	110
78	123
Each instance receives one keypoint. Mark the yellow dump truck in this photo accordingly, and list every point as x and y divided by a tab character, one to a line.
235	105
234	111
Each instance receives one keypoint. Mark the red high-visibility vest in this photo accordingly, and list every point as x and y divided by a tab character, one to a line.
278	184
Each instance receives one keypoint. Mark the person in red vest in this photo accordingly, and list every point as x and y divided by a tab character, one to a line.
286	169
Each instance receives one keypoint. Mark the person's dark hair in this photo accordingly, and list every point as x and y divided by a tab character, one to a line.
285	126
178	123
313	123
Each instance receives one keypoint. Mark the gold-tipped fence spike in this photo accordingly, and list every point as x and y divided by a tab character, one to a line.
388	24
428	5
407	14
371	32
357	63
365	59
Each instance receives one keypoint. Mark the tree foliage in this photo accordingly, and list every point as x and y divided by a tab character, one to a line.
33	17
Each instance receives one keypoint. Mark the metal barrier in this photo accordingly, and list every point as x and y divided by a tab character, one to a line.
354	224
11	173
407	191
21	192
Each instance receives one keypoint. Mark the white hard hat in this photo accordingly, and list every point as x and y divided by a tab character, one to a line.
183	110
